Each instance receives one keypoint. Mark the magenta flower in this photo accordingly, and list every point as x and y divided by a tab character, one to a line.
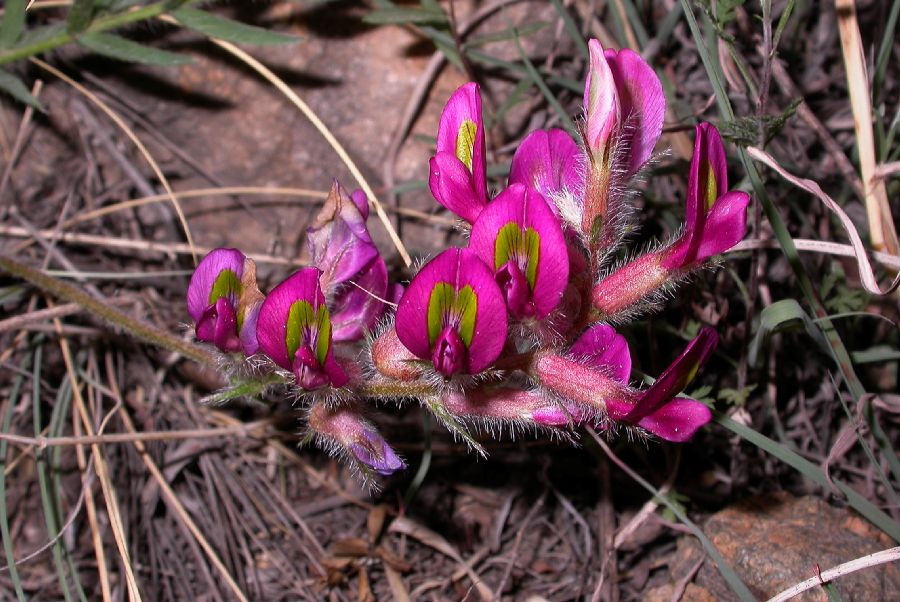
716	219
453	314
294	330
602	348
458	176
547	161
224	302
657	410
342	429
624	105
518	235
594	377
354	277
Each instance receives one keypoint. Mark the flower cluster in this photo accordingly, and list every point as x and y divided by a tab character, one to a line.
514	330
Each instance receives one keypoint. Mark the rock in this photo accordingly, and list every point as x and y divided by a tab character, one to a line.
775	541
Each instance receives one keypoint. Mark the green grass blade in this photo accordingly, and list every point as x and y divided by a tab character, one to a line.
48	495
121	49
884	52
11	402
727	572
214	26
13	22
812	472
13	86
79	16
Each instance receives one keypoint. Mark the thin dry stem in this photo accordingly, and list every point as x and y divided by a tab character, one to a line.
134	139
878	211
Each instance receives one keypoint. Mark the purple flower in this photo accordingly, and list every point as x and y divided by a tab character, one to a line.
519	236
624	105
458	172
602	348
547	161
344	429
354	277
657	410
594	377
716	219
294	330
453	314
223	300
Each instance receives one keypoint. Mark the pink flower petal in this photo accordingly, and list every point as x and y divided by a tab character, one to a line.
678	420
676	377
452	186
726	224
458	268
528	211
547	161
601	102
312	364
642	104
464	107
359	304
205	275
602	348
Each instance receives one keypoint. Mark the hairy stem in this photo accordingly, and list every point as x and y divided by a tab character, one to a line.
132	326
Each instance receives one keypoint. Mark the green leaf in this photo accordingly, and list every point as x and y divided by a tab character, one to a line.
13	86
80	16
399	16
13	22
125	50
231	31
776	318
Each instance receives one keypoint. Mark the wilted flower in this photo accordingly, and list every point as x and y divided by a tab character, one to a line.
224	301
458	172
294	330
453	314
354	277
518	235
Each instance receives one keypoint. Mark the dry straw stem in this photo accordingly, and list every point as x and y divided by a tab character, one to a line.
101	468
242	430
282	87
869	282
882	557
134	139
112	242
878	211
133	326
172	499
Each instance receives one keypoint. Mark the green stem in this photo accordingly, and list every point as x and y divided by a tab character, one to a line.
101	24
132	326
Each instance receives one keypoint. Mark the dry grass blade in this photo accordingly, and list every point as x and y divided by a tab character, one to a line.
102	469
817	246
878	210
112	242
326	133
865	267
134	139
241	430
890	555
177	507
433	540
